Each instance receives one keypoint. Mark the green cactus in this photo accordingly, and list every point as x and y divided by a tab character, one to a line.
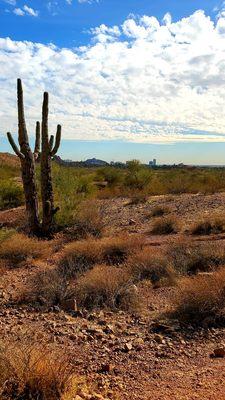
28	158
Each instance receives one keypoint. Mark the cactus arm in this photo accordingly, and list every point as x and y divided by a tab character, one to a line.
23	136
37	141
57	140
45	120
50	143
14	146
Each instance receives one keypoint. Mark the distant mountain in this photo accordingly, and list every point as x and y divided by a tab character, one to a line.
9	159
95	162
92	162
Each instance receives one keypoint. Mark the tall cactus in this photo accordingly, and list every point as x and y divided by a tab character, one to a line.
27	160
47	152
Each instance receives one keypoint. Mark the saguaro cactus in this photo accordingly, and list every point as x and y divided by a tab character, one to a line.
27	160
47	152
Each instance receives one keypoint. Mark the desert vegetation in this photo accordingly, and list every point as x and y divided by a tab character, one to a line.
114	261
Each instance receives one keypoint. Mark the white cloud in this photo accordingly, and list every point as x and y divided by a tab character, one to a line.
25	11
19	12
167	19
30	11
144	81
11	2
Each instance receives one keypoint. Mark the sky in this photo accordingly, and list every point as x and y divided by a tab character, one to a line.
127	79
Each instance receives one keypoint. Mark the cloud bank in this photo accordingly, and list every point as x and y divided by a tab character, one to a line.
143	81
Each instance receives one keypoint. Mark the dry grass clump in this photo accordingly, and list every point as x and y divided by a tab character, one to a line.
165	226
107	286
116	250
202	298
159	211
19	248
209	226
80	256
151	265
46	288
29	371
138	198
189	258
89	220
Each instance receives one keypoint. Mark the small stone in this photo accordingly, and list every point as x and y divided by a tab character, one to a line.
219	352
106	368
128	347
159	338
109	329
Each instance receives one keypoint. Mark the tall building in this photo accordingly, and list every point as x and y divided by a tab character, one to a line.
152	163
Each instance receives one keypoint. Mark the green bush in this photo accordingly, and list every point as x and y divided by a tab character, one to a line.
71	187
11	195
111	175
138	176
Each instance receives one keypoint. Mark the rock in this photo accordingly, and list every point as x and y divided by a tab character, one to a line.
159	327
106	368
128	347
159	338
219	352
109	329
95	331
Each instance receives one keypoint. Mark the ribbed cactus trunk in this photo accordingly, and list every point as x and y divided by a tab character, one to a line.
28	158
27	165
47	152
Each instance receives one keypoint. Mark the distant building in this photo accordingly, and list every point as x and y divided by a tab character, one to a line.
152	163
117	164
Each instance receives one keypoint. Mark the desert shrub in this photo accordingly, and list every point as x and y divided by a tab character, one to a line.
116	250
189	258
165	226
47	288
6	234
78	257
137	197
107	287
19	248
37	372
209	226
82	255
88	219
140	180
202	298
111	175
159	211
151	265
71	187
11	194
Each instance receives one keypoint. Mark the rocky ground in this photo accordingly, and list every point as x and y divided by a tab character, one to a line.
141	357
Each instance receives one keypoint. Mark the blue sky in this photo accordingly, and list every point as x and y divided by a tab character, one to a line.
65	24
127	79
